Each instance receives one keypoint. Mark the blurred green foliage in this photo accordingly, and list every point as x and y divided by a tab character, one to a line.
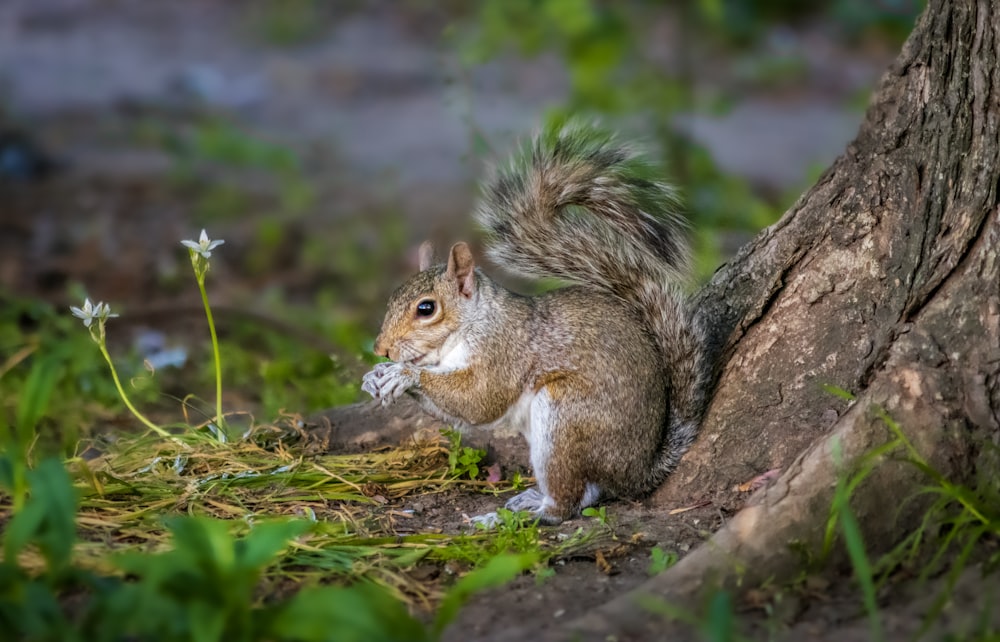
741	22
53	384
222	160
280	373
204	587
293	356
284	23
55	389
606	49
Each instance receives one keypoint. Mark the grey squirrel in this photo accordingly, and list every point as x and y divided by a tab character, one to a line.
606	379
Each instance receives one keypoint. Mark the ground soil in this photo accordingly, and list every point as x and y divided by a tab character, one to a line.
584	582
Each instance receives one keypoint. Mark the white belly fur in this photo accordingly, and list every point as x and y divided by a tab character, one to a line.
531	415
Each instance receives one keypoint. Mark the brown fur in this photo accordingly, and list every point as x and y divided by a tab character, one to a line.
617	360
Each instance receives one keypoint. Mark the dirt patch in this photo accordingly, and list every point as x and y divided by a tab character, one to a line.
577	585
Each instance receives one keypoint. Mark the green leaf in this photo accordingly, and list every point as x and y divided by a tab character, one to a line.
206	541
202	589
30	610
837	391
8	473
266	540
660	560
35	395
208	622
862	568
361	613
720	625
500	570
48	517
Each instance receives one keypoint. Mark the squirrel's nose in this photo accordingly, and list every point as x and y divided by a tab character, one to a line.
380	348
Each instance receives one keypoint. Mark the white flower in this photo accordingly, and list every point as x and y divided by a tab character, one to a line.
203	246
89	312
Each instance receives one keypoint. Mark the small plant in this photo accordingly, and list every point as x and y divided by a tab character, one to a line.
841	513
200	252
517	481
94	317
715	621
201	589
515	523
365	613
463	461
964	516
17	441
660	560
510	533
51	386
600	513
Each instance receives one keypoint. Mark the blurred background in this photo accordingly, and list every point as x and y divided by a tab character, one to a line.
323	140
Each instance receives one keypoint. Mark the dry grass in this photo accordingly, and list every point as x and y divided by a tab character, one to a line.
128	487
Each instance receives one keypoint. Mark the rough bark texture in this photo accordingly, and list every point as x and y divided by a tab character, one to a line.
366	426
363	427
824	295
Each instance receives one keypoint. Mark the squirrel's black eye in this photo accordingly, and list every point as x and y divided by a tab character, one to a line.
425	308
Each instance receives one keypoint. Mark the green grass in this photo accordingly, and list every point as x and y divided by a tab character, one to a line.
233	538
961	522
52	380
181	534
843	517
203	582
960	525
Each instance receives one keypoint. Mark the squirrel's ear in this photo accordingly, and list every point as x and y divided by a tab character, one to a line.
462	268
426	255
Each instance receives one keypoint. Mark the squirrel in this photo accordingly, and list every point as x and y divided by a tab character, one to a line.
606	378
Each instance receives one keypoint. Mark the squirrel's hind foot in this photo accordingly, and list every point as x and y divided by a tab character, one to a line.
531	501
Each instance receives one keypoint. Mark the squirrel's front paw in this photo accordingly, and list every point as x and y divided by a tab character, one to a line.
388	381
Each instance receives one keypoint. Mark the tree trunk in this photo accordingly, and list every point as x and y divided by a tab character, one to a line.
884	280
902	224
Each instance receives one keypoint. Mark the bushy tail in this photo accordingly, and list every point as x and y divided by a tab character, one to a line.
580	206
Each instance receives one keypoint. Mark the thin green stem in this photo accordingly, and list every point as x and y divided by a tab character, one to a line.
121	392
219	418
948	488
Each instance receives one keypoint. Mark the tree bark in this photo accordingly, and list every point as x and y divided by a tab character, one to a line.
363	427
825	295
884	280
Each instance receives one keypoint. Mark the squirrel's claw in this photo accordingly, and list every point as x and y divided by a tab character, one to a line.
368	383
388	381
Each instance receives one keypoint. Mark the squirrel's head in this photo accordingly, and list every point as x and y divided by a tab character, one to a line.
429	308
